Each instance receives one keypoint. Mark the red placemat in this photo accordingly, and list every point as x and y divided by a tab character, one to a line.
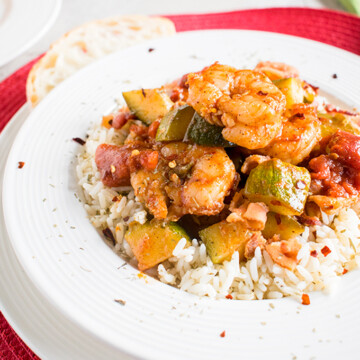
331	27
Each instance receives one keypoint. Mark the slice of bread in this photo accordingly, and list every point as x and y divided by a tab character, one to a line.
87	43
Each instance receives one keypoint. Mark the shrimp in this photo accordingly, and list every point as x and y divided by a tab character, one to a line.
187	180
246	103
210	181
276	70
300	133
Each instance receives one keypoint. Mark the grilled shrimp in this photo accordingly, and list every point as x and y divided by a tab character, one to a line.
245	102
187	180
300	133
276	70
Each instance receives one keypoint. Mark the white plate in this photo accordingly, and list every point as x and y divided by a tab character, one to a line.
44	329
157	320
23	23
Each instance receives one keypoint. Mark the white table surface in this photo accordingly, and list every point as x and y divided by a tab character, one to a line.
76	12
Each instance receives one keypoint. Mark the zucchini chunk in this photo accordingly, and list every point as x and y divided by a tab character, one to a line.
292	89
174	124
201	132
223	239
154	241
148	104
284	226
331	122
282	186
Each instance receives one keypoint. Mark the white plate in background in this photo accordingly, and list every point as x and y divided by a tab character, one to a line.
158	321
23	23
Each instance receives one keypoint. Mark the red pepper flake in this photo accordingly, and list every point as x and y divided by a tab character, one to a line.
21	164
334	76
313	253
222	334
325	251
151	49
79	141
143	92
261	93
109	235
229	296
299	115
278	219
115	199
345	271
305	299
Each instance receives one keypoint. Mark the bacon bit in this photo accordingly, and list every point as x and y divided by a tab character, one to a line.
109	235
229	296
115	199
153	128
172	164
256	240
143	92
325	251
299	115
222	334
151	50
334	76
313	253
79	141
284	253
112	168
345	271
21	164
305	299
261	93
107	121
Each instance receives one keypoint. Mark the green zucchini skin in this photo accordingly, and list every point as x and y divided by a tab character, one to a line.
284	226
154	241
148	104
223	239
174	124
282	186
203	133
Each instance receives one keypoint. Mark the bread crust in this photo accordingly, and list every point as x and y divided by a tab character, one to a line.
88	42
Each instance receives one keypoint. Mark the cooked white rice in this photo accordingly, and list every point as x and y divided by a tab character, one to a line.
191	269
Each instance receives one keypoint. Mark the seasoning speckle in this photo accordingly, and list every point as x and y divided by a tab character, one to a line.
151	49
79	141
334	76
120	301
109	235
21	164
222	334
